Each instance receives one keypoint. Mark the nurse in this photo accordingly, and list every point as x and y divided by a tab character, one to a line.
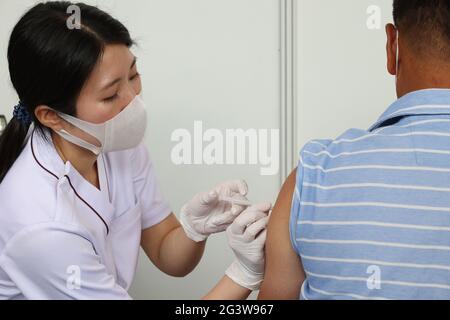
78	192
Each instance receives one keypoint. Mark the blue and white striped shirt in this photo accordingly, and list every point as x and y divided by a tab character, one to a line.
370	215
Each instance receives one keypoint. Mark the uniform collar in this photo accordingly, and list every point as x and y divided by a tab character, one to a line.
422	102
47	158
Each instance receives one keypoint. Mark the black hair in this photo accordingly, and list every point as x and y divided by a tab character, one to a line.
49	63
426	24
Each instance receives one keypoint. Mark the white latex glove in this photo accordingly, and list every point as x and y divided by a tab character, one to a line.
205	214
247	237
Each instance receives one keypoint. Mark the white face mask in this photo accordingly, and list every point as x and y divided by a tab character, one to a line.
125	131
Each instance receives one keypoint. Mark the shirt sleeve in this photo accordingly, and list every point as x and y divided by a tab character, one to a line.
295	207
154	206
48	263
304	163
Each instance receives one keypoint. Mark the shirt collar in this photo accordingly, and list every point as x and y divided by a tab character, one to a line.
422	102
46	157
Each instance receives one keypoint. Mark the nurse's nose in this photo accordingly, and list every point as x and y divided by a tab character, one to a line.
130	97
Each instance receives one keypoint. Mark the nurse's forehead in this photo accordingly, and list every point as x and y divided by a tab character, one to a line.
115	63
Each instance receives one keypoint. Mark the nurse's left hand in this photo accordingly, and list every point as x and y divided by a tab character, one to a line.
205	214
247	237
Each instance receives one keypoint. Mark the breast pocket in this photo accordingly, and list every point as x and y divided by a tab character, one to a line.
125	241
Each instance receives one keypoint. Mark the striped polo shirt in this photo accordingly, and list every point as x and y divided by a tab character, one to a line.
370	214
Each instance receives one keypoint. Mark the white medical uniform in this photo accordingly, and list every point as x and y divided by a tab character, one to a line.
61	237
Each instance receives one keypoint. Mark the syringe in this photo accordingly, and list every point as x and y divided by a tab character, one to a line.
239	202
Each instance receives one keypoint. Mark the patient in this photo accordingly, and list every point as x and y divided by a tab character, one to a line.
367	216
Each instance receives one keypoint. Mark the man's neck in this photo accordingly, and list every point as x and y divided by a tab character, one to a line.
401	92
421	77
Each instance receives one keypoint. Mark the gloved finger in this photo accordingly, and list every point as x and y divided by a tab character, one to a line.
264	206
255	228
235	187
228	217
209	198
228	212
225	218
261	238
236	209
248	217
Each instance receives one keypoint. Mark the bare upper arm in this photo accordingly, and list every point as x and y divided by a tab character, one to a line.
153	237
284	273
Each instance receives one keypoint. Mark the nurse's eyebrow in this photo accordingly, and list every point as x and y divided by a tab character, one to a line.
118	79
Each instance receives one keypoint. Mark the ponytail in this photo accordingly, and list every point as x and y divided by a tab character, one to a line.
11	144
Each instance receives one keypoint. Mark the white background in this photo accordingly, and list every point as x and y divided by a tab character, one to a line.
342	77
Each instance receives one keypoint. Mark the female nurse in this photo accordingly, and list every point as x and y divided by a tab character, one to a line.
78	192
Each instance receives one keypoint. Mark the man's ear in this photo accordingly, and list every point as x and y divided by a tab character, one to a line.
391	48
48	117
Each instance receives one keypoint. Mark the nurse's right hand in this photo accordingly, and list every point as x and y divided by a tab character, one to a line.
205	214
247	238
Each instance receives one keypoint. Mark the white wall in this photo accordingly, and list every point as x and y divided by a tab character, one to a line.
342	77
210	60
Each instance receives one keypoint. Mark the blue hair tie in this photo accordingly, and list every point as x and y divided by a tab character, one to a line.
21	113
